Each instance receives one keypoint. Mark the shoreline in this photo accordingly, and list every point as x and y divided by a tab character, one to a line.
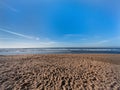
111	58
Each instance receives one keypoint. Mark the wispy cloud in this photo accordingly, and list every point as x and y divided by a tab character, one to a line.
9	7
26	44
12	9
19	34
83	44
73	35
7	39
102	42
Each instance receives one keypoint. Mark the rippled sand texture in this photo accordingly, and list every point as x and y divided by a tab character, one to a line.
60	72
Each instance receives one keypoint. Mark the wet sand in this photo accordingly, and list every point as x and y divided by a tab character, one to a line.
60	72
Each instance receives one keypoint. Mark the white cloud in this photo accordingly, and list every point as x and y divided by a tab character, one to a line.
19	34
73	35
102	42
83	44
37	38
26	45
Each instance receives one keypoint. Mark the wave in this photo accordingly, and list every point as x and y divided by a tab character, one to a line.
14	51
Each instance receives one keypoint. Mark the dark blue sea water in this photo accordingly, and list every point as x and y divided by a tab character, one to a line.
73	50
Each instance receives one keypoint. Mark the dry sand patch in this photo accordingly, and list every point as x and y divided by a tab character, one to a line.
60	72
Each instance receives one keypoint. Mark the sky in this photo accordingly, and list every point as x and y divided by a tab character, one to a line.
59	23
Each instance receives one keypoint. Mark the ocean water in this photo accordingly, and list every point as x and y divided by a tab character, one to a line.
73	50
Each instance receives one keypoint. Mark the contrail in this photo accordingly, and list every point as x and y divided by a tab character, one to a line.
12	9
9	7
19	34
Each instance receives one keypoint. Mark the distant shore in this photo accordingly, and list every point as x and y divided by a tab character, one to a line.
60	72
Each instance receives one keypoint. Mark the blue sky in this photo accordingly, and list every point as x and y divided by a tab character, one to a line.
59	23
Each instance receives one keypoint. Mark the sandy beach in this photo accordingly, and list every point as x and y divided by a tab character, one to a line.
60	72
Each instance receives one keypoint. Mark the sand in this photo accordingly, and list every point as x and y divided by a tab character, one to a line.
60	72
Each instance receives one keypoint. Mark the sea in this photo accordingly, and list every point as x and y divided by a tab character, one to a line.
59	50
